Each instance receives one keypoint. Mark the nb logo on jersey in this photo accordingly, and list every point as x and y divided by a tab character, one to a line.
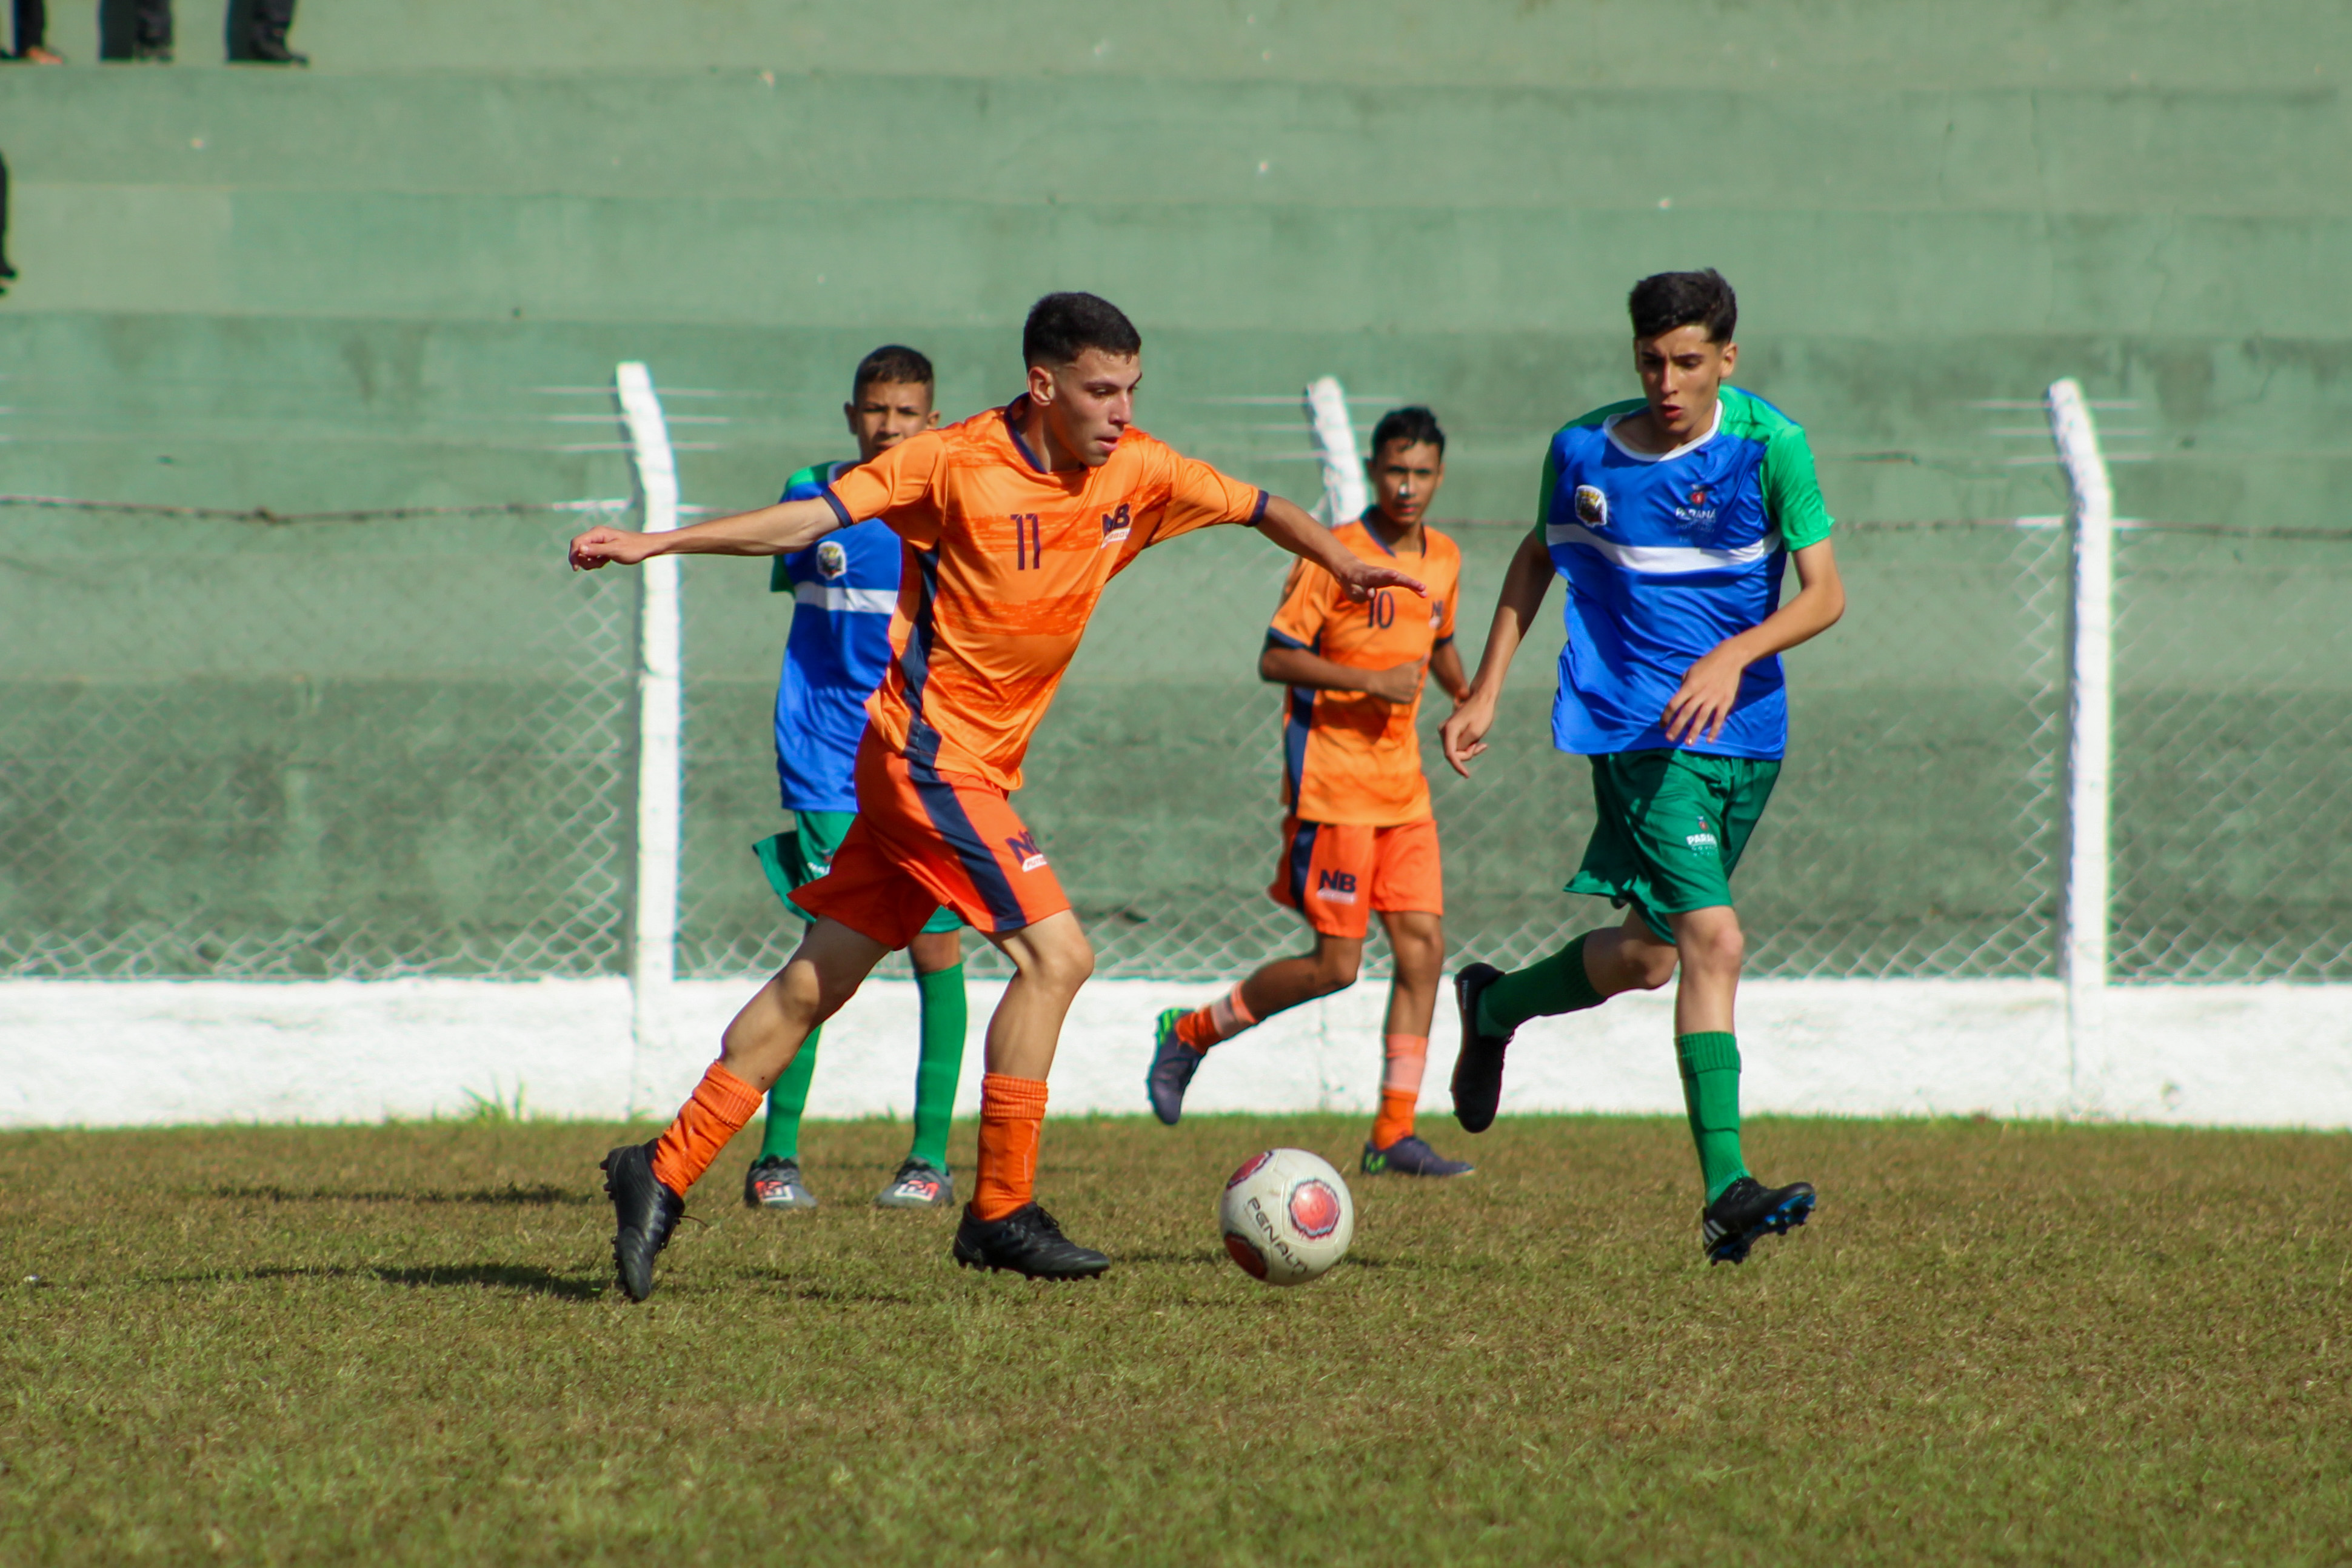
1115	526
1592	506
1025	847
832	560
1335	886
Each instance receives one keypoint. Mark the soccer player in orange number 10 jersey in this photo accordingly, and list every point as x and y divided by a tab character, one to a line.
1011	523
1358	837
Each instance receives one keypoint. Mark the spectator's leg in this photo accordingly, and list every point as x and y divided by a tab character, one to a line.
151	36
267	42
6	271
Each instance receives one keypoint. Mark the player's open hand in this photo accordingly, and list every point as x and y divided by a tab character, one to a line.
1704	700
1361	579
1463	735
1399	683
598	545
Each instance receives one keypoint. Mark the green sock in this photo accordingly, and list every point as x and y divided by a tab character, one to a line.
940	1066
787	1099
1554	985
1711	1064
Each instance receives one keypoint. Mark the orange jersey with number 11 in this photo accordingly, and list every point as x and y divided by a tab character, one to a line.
1004	562
1349	756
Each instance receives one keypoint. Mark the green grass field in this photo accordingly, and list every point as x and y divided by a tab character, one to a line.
1994	1344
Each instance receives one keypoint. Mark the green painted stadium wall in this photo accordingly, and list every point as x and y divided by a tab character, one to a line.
386	281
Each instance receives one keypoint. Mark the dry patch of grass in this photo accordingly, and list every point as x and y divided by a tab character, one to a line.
1995	1343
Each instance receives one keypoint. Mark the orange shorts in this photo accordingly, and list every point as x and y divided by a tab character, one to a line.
1337	873
923	839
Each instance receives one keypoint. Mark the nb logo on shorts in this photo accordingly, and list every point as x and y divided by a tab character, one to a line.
1115	526
1335	886
1026	846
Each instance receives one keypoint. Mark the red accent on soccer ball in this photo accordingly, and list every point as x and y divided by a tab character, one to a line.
1314	1209
1250	1167
1252	1260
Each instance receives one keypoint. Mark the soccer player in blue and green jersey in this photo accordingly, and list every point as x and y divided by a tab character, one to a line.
1671	518
844	588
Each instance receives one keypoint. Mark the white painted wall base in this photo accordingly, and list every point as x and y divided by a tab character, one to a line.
77	1054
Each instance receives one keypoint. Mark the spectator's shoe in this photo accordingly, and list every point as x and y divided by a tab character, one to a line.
37	55
919	1185
274	52
161	53
1747	1212
7	273
645	1212
1410	1156
775	1182
1172	1065
1027	1242
1479	1071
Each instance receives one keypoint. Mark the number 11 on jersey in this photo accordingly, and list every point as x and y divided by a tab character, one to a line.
1028	548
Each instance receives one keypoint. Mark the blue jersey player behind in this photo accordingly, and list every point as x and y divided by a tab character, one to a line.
844	588
1671	518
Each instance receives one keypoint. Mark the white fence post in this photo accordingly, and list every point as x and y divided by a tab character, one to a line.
653	934
2089	745
1345	496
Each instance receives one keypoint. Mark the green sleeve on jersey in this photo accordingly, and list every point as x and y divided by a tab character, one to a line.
1792	494
1550	483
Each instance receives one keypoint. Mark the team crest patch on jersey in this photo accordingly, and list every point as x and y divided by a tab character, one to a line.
1592	506
832	560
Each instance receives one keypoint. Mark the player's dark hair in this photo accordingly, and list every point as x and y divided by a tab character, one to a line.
1666	300
1061	326
892	364
1415	426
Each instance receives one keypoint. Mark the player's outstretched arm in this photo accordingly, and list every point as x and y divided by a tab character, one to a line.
1294	529
1282	666
778	530
1525	583
1711	685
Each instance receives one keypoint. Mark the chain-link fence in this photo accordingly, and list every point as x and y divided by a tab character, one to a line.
1915	831
367	745
2233	715
372	745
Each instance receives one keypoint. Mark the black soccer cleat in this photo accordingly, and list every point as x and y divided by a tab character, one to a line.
1749	1211
1478	1070
1411	1156
644	1213
1027	1242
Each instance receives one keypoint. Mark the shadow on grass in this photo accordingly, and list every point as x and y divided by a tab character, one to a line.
521	1279
542	1195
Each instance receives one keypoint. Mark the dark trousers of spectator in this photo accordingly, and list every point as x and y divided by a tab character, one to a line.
6	271
32	26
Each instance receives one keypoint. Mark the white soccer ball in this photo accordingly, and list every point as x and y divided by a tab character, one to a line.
1286	1216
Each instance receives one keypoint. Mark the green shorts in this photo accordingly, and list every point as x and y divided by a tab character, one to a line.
802	853
1673	824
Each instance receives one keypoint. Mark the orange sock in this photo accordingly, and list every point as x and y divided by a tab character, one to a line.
1408	1054
1220	1020
720	1106
1012	1116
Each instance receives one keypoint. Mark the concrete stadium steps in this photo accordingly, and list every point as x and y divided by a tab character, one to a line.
317	291
310	413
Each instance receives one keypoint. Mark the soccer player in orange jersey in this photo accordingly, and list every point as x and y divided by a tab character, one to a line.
1013	522
1358	838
